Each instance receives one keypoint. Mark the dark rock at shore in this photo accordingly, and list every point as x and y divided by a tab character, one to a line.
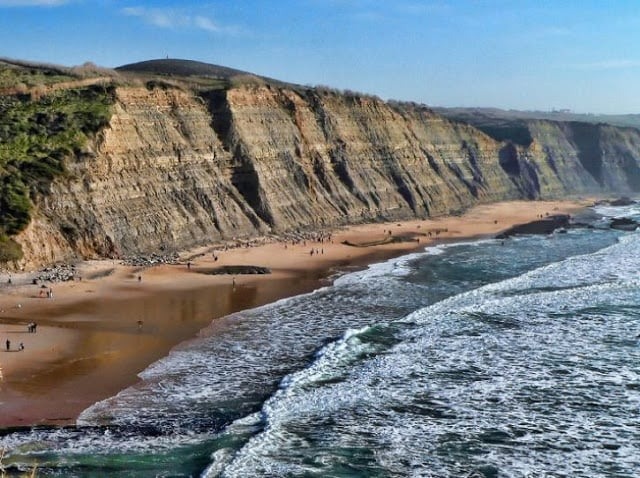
236	270
387	240
622	201
540	226
623	224
580	225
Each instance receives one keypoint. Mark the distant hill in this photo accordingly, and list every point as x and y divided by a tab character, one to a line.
496	115
178	67
512	125
197	73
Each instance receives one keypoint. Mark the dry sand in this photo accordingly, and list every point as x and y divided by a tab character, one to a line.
89	343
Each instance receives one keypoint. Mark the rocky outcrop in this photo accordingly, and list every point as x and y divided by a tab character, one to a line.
624	224
546	225
174	169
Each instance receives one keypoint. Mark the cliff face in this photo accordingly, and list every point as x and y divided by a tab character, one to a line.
332	159
174	169
156	178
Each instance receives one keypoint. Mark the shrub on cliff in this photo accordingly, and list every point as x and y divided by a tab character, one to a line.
37	136
10	250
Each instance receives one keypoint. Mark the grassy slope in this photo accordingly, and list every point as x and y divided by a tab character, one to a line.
39	131
45	121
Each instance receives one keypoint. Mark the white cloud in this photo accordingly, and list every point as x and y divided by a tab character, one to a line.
32	3
206	24
175	18
155	16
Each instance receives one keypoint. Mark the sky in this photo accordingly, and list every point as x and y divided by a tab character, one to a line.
582	55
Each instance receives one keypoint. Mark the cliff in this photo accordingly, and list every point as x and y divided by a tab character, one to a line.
175	167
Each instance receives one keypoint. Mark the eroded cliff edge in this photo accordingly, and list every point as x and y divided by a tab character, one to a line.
175	168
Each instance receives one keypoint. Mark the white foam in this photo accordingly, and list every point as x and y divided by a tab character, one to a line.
501	365
92	441
617	211
364	387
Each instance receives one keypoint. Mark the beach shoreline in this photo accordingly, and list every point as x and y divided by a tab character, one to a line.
95	335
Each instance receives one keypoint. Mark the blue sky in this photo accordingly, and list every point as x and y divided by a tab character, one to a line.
581	55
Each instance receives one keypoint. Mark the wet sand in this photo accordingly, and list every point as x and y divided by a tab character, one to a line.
94	336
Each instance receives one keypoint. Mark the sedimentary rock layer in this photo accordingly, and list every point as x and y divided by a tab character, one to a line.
175	168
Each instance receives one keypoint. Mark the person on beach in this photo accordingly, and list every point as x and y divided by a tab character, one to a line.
139	278
21	346
8	344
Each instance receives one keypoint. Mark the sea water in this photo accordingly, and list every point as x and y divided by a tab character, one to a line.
515	358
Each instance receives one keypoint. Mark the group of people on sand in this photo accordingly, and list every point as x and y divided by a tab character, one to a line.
8	346
302	239
31	328
49	292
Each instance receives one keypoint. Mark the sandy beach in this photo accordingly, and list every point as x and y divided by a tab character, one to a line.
95	335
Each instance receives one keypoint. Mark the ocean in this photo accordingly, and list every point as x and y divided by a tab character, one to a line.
489	358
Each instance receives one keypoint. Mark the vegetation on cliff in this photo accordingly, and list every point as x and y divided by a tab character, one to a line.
37	134
21	78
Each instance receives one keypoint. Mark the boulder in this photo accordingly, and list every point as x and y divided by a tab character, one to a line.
540	226
623	201
623	224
